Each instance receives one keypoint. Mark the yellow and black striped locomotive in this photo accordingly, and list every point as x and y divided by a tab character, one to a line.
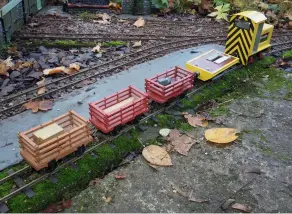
248	36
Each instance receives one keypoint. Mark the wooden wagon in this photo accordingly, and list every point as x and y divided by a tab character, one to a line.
118	109
43	145
176	82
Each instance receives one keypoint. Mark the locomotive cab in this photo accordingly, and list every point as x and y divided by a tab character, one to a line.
248	35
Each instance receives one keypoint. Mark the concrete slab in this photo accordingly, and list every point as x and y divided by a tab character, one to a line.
9	153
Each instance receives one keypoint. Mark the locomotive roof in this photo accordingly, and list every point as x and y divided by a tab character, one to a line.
255	16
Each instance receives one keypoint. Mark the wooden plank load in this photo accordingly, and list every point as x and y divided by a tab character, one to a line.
54	139
169	84
118	109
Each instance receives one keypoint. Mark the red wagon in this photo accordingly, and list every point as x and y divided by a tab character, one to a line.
179	80
118	109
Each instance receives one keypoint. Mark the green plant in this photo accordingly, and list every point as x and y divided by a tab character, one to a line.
160	4
220	2
222	12
87	16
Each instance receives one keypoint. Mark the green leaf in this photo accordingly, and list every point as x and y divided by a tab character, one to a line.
160	4
222	12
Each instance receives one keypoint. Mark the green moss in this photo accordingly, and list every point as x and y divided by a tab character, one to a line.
287	54
267	61
68	44
164	120
219	111
288	96
72	181
184	126
86	16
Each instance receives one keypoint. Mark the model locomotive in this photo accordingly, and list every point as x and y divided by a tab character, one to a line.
44	145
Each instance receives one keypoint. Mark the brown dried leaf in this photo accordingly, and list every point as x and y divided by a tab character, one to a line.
12	50
221	135
182	144
9	62
51	71
241	207
137	44
140	22
42	90
74	66
45	105
41	83
101	21
156	156
96	49
4	69
174	134
120	176
33	105
33	25
107	199
198	120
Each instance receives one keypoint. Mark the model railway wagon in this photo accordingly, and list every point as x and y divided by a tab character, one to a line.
169	84
42	146
118	109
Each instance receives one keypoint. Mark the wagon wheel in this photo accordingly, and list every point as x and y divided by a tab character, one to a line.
80	151
52	165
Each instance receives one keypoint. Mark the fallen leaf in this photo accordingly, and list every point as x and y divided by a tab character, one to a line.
51	71
198	120
45	105
41	82
120	176
164	132
74	66
4	69
26	65
33	25
96	49
107	199
182	144
137	44
179	191
156	156
103	16
221	135
9	62
58	207
140	22
174	134
42	90
241	207
12	50
95	182
194	199
33	105
73	51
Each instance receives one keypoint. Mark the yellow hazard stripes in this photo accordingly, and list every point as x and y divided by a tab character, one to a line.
239	40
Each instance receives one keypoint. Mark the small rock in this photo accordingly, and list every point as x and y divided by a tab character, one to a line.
98	55
276	54
92	63
289	70
61	55
14	74
227	203
5	83
53	60
43	50
66	63
35	56
13	149
6	90
194	51
80	102
10	104
36	75
43	65
71	57
26	71
36	65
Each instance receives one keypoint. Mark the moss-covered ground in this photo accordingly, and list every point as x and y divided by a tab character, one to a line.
70	44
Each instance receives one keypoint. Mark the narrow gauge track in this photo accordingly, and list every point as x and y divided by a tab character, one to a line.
102	37
106	37
127	128
140	56
19	99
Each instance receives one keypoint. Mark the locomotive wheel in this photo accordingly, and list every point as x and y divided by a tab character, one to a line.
52	165
250	60
260	55
80	151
